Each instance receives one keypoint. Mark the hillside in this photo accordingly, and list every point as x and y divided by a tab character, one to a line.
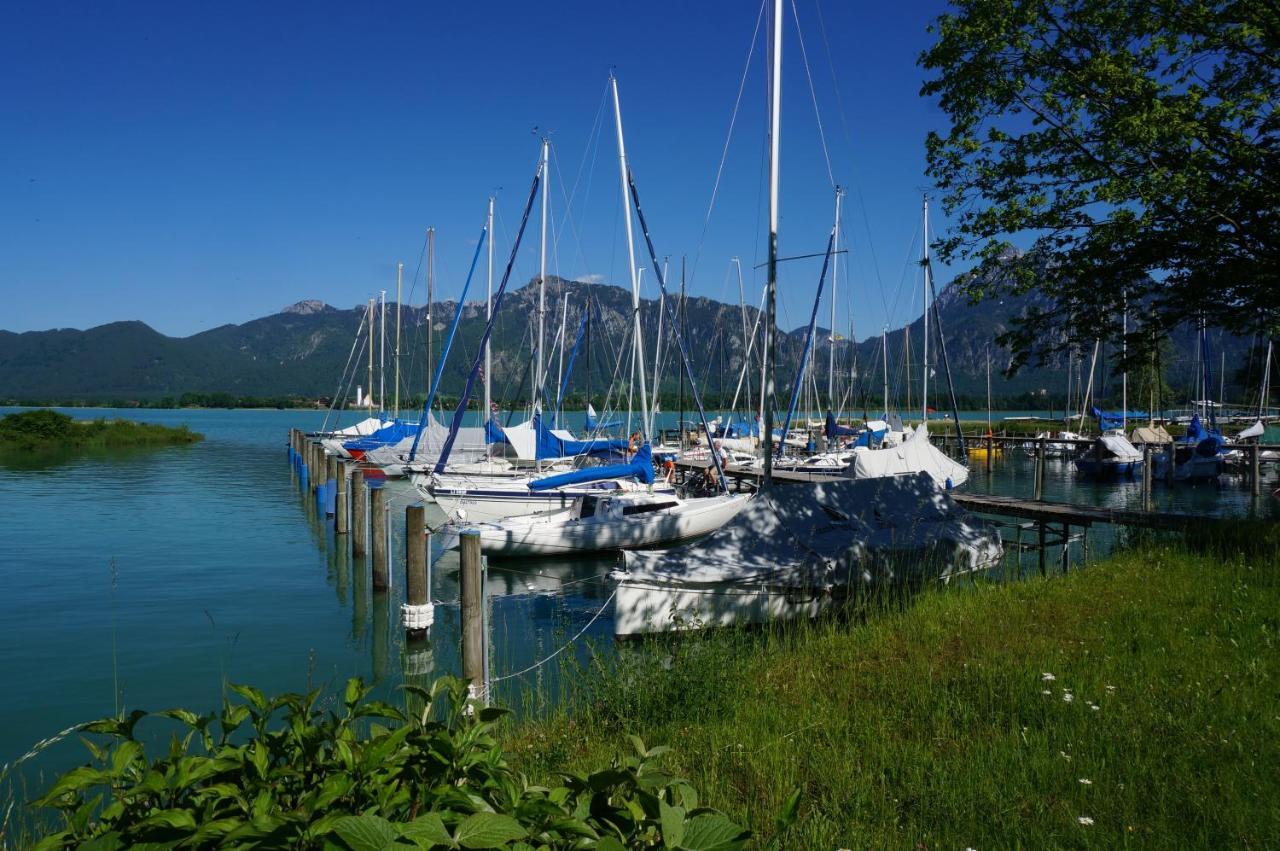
301	352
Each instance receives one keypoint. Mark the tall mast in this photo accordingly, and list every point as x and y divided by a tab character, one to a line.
631	256
399	298
657	357
1266	382
488	314
1124	355
542	275
382	358
924	358
771	301
684	332
564	342
431	297
746	333
835	281
884	359
368	396
988	388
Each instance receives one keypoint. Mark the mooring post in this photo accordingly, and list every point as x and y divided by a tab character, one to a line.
470	591
1066	546
1172	455
342	500
359	515
991	443
378	521
417	610
331	485
1255	470
1146	477
1039	492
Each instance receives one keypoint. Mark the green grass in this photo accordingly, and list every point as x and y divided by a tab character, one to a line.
45	431
934	725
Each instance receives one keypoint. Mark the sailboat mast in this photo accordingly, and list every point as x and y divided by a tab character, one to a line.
488	314
431	297
564	341
631	257
657	356
771	300
382	357
884	363
835	282
988	388
924	359
1266	383
542	274
684	331
399	298
368	395
1124	355
746	333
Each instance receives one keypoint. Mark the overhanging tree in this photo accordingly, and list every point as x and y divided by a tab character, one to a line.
1134	144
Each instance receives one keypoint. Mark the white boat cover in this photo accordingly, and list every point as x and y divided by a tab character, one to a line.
812	539
468	446
1255	430
1120	446
364	428
1149	434
914	455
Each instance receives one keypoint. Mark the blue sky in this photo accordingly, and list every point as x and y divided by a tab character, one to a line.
191	165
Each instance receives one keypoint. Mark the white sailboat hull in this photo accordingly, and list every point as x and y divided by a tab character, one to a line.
549	536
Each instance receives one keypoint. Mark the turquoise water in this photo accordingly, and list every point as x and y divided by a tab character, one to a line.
143	580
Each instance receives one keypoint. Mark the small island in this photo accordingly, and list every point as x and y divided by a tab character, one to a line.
44	431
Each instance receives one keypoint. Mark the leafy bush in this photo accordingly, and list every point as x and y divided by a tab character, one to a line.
301	777
39	425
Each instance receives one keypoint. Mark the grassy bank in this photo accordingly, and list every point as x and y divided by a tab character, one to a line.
1133	703
44	431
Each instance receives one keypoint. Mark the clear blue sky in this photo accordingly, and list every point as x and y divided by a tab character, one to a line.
191	165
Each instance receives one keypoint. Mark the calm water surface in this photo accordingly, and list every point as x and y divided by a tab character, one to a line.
143	580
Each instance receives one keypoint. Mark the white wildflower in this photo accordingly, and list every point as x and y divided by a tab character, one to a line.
1111	689
1095	707
1085	781
1065	755
1047	677
1085	820
1045	691
1068	697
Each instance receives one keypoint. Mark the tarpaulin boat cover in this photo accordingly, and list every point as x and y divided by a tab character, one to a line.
1149	434
827	534
470	445
1119	446
914	455
361	429
393	433
1255	430
834	429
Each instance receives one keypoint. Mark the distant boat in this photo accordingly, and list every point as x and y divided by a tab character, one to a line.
1197	457
1110	457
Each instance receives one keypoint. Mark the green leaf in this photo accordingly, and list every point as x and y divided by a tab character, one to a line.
428	831
75	780
177	819
493	713
790	810
713	832
186	716
366	833
250	694
488	830
672	821
610	843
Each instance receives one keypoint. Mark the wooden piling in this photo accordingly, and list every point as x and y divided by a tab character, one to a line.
342	501
332	470
1039	489
415	561
1255	470
378	522
472	604
1040	530
990	448
359	515
1172	456
1066	546
1146	477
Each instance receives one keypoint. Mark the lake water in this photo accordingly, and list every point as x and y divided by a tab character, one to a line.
143	580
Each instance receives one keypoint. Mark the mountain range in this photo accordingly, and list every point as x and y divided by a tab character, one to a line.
310	351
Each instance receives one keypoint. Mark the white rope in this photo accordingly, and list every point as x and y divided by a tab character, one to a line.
564	647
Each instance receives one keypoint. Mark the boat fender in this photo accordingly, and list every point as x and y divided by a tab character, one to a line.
949	485
418	617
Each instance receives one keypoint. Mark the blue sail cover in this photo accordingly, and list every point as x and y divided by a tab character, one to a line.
870	438
593	424
550	446
1115	419
385	436
834	429
1207	441
493	432
640	468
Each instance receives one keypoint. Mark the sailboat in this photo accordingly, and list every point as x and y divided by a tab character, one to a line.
793	551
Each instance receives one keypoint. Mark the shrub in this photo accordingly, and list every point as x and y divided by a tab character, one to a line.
298	776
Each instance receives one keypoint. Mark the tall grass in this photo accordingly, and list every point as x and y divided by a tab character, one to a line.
46	431
1131	703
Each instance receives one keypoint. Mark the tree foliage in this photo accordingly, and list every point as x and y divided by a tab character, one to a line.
1135	142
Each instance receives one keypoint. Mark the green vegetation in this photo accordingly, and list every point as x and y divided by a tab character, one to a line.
1136	141
1132	703
51	431
302	777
